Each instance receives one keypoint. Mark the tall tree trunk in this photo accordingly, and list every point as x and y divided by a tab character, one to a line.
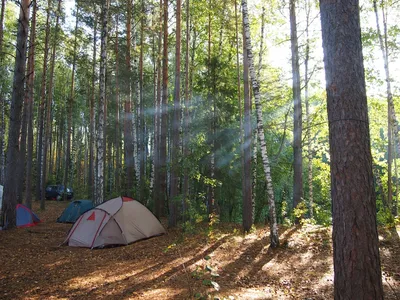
266	165
246	145
158	202
164	115
210	101
70	105
136	111
17	98
297	118
308	117
48	123
392	120
29	114
102	100
357	267
255	148
2	100
154	59
239	85
186	137
396	199
117	140
128	116
176	122
39	169
141	131
91	185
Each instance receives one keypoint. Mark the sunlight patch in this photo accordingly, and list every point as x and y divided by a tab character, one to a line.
161	293
98	279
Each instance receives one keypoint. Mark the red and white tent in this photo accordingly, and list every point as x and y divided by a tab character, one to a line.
119	221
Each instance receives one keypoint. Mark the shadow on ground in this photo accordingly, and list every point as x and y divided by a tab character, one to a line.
173	266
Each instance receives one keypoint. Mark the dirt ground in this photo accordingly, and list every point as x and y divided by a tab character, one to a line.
221	264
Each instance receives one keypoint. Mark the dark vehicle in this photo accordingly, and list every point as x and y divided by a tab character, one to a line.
56	192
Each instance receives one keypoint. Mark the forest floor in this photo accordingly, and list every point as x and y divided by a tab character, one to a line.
221	263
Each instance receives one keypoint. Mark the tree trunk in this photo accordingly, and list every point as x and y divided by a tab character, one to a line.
176	122
117	140
48	123
39	169
102	100
239	94
141	131
67	178
128	116
357	267
91	185
210	101
17	98
164	115
186	138
136	112
308	117
246	145
297	118
267	169
396	199
392	120
29	114
255	148
158	204
2	100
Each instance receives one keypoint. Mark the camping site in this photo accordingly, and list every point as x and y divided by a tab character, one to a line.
203	149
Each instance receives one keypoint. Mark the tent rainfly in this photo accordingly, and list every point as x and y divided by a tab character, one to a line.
74	210
119	221
24	217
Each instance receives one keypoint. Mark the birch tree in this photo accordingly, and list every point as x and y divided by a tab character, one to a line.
246	152
274	238
393	125
102	87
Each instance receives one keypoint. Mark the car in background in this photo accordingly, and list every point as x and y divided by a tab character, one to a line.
56	192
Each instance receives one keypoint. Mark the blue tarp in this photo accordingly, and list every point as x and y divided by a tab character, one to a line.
74	210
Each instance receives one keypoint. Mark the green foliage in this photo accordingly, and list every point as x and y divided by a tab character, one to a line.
385	217
300	211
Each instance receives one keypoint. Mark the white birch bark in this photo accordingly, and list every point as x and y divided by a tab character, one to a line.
100	127
274	238
393	124
136	100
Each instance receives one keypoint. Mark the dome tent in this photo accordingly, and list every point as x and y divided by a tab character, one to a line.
24	217
74	210
119	221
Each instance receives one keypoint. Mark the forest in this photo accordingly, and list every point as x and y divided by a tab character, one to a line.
269	122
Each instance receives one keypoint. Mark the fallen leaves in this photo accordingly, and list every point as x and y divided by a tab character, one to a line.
231	266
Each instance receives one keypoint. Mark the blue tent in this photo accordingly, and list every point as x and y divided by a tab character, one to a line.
74	211
25	217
